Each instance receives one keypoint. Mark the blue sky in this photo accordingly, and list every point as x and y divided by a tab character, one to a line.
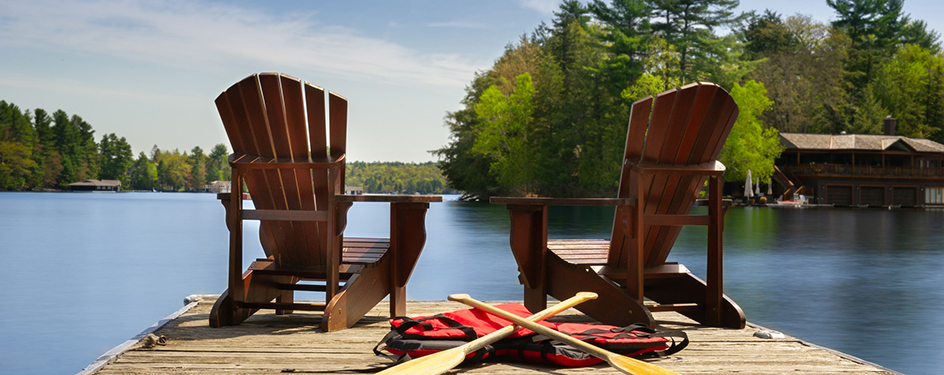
150	70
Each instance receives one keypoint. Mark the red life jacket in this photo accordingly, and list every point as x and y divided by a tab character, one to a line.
416	337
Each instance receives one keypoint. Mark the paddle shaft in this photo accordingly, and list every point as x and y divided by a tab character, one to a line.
625	364
445	360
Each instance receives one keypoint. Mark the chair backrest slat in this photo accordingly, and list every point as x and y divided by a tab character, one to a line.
338	110
253	103
294	103
678	123
318	137
636	134
699	130
275	115
658	125
318	141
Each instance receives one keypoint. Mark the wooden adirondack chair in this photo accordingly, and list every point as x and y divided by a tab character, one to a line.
294	172
672	145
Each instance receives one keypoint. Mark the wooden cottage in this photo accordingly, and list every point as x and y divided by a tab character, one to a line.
95	185
863	169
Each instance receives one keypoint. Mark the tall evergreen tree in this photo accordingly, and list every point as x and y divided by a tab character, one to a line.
766	35
625	34
198	172
68	144
874	27
143	173
689	25
116	158
217	167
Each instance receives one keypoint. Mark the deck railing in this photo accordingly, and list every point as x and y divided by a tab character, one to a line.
845	170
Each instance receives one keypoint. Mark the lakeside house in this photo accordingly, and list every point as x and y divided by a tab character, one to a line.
218	186
95	185
862	169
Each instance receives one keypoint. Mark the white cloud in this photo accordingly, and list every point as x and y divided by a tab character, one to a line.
458	24
546	7
197	35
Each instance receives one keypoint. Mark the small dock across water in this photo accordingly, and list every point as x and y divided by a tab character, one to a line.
267	343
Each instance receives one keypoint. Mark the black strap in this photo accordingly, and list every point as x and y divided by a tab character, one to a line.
679	339
387	337
676	346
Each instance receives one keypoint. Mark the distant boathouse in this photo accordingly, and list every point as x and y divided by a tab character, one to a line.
95	185
863	169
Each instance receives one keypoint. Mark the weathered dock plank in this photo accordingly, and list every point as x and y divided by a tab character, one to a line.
267	343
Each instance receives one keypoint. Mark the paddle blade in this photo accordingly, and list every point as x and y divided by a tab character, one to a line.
432	364
635	366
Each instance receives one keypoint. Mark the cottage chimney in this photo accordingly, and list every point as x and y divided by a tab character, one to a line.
889	125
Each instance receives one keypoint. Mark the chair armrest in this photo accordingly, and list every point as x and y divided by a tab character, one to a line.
564	201
389	198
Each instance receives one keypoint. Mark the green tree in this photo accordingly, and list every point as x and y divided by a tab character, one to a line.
868	115
875	29
625	35
910	87
69	144
44	132
661	72
15	165
503	133
173	170
217	167
52	169
916	32
198	172
143	173
463	169
806	78
116	158
689	25
750	146
766	35
15	125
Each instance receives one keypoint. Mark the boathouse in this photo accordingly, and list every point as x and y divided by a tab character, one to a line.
863	169
95	185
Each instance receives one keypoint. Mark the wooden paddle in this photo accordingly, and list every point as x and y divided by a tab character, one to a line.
447	359
623	363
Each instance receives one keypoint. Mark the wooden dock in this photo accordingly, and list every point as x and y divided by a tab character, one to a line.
267	343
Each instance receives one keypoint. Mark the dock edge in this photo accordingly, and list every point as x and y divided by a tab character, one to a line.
109	356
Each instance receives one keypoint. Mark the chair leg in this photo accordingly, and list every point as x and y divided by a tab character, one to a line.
614	306
287	296
258	288
687	288
223	313
360	293
397	301
407	239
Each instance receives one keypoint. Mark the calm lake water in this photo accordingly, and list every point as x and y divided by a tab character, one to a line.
82	273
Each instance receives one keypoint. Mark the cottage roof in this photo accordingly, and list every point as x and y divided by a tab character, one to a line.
863	142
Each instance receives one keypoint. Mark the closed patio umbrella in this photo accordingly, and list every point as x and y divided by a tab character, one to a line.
748	190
